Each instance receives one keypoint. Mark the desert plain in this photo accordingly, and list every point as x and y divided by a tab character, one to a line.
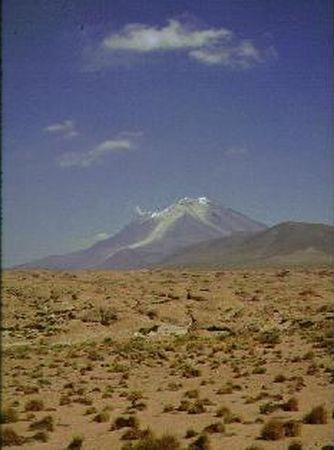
235	359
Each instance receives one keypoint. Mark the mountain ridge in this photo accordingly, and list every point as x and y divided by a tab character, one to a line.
284	243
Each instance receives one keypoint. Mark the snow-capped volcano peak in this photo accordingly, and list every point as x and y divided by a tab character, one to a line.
154	235
180	206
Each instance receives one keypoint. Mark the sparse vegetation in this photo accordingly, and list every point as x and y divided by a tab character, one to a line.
76	443
150	442
201	443
34	405
317	416
273	430
252	324
9	415
9	437
44	424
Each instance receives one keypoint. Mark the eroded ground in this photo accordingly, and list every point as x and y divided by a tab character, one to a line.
92	359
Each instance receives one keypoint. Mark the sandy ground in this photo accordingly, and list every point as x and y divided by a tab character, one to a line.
178	350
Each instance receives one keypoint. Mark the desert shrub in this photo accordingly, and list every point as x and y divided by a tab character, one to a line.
295	445
75	444
134	397
190	433
184	405
125	422
9	415
133	434
197	408
9	437
317	416
268	408
292	428
254	447
193	393
290	405
102	417
41	436
216	427
90	410
103	314
226	413
271	337
273	430
259	370
35	404
150	442
46	424
228	389
201	443
191	372
168	408
280	378
64	400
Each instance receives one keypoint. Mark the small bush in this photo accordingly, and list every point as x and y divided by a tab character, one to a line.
41	436
191	372
216	427
226	413
273	430
150	442
254	447
271	337
317	416
46	424
9	437
75	444
295	446
280	378
102	417
201	443
291	405
34	405
125	422
292	428
9	415
197	408
133	434
190	433
193	393
268	408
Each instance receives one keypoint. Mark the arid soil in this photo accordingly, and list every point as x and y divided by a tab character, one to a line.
107	360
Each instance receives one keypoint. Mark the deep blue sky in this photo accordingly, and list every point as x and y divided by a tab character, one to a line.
224	98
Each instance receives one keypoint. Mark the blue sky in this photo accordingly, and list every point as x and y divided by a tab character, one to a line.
109	105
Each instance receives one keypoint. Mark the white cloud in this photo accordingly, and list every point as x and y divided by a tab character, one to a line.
210	46
86	159
235	151
174	36
65	129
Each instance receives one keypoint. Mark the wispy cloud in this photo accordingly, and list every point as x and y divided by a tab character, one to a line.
65	129
235	151
210	46
94	155
242	55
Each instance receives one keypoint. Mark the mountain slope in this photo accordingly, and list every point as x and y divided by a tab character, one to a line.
285	243
152	237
